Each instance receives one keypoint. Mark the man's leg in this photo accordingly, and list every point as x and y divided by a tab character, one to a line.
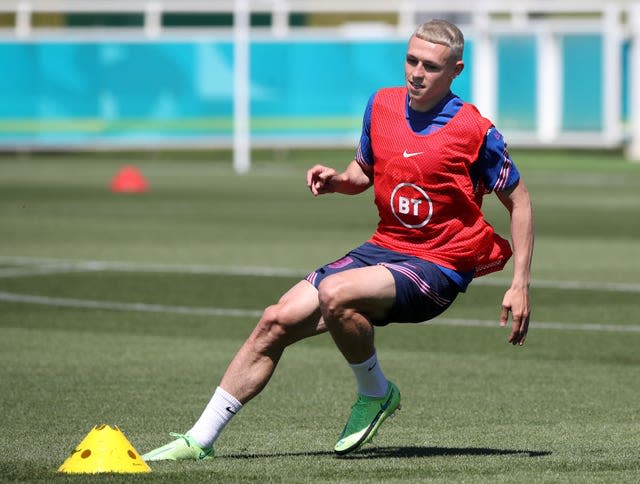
349	300
294	317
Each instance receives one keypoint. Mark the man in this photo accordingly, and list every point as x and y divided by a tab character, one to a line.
430	158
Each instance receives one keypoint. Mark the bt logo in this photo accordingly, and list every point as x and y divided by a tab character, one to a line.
411	205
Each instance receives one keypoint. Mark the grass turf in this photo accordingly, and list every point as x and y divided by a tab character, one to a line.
561	409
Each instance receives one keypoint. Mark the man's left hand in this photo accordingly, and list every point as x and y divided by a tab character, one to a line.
516	302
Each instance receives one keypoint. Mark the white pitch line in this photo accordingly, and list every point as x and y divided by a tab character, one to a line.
566	285
121	306
35	271
61	266
249	313
479	323
36	266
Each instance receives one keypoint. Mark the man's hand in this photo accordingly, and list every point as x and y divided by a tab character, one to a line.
516	301
320	179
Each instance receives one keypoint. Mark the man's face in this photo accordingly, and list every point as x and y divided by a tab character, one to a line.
429	70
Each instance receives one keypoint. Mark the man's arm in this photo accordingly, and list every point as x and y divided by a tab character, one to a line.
516	299
355	179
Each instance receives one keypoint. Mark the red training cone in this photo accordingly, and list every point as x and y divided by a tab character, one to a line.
129	180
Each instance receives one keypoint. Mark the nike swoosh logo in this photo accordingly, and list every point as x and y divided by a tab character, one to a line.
409	155
230	410
372	366
204	454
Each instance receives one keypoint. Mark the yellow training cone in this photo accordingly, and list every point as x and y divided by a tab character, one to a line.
104	449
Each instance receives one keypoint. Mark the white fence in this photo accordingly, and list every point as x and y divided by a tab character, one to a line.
618	21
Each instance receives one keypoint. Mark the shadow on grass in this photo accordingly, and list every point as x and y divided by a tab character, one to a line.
382	452
403	452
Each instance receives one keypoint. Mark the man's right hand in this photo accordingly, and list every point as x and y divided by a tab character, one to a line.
320	180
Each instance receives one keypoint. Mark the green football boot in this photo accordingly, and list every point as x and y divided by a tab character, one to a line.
367	414
183	448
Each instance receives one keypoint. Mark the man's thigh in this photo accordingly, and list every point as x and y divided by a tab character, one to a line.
368	290
299	311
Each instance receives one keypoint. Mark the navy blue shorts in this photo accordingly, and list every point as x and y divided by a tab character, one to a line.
422	290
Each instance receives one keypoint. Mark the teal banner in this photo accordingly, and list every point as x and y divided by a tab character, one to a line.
132	92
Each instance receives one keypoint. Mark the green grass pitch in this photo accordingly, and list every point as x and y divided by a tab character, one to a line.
125	309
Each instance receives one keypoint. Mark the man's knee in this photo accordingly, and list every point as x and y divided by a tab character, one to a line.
332	296
271	325
276	324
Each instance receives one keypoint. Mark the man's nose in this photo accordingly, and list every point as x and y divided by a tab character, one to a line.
418	70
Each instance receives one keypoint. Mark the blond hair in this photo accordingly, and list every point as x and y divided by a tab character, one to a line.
442	32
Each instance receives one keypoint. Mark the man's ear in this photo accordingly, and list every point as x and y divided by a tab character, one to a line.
458	68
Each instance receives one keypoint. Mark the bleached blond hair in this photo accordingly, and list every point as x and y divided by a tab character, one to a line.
439	31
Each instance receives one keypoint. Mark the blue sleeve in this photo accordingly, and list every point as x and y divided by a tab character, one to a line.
364	153
494	165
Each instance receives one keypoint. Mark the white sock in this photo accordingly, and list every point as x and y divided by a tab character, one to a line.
369	377
216	415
